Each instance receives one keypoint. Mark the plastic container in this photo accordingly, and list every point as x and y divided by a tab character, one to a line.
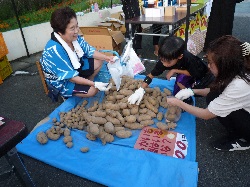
3	48
173	113
103	75
5	68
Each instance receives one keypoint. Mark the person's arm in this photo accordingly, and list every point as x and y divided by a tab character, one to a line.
136	97
178	71
188	92
201	92
99	56
99	85
144	84
81	80
91	52
196	111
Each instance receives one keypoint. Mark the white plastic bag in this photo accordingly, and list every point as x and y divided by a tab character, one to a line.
116	71
129	64
130	58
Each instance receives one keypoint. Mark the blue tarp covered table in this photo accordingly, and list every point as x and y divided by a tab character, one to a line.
117	163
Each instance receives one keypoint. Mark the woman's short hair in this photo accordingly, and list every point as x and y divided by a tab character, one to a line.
171	47
60	18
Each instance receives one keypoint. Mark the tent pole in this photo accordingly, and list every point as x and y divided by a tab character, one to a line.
20	27
187	22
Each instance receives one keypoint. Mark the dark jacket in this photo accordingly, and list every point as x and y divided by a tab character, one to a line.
193	64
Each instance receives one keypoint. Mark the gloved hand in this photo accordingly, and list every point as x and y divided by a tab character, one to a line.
137	96
102	86
184	93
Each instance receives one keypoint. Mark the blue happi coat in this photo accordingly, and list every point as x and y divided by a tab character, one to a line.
57	66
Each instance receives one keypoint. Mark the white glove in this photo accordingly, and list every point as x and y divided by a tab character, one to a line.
184	93
136	97
102	86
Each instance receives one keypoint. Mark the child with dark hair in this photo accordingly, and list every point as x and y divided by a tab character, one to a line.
228	97
174	58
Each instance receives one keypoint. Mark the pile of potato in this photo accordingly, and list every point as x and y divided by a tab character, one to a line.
114	116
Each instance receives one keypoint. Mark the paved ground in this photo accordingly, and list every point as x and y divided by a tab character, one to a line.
22	98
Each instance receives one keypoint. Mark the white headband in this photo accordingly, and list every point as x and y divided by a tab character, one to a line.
245	49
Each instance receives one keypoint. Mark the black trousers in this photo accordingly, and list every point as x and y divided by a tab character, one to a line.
220	21
131	9
156	30
237	123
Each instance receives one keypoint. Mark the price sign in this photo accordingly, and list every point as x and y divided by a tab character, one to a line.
164	142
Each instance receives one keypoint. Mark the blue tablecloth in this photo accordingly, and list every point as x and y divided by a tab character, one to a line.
117	163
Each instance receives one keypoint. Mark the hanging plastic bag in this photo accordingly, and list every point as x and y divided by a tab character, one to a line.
128	64
130	58
118	69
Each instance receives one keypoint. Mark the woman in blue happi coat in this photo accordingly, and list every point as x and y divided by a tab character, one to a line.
68	61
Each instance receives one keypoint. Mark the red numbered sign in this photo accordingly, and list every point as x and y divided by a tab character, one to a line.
164	142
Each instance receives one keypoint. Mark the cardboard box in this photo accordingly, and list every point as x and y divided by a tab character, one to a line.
114	26
182	2
116	22
169	11
103	39
118	15
181	8
123	27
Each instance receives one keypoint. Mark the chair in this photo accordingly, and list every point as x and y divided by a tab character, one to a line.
11	133
47	88
40	70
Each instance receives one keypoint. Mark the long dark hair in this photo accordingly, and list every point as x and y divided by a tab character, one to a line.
226	53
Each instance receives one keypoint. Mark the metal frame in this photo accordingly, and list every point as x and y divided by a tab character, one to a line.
172	26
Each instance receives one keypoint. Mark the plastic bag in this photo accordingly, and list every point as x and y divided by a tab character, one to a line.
117	70
173	114
128	64
130	58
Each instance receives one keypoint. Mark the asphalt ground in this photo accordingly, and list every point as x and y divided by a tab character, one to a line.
22	98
